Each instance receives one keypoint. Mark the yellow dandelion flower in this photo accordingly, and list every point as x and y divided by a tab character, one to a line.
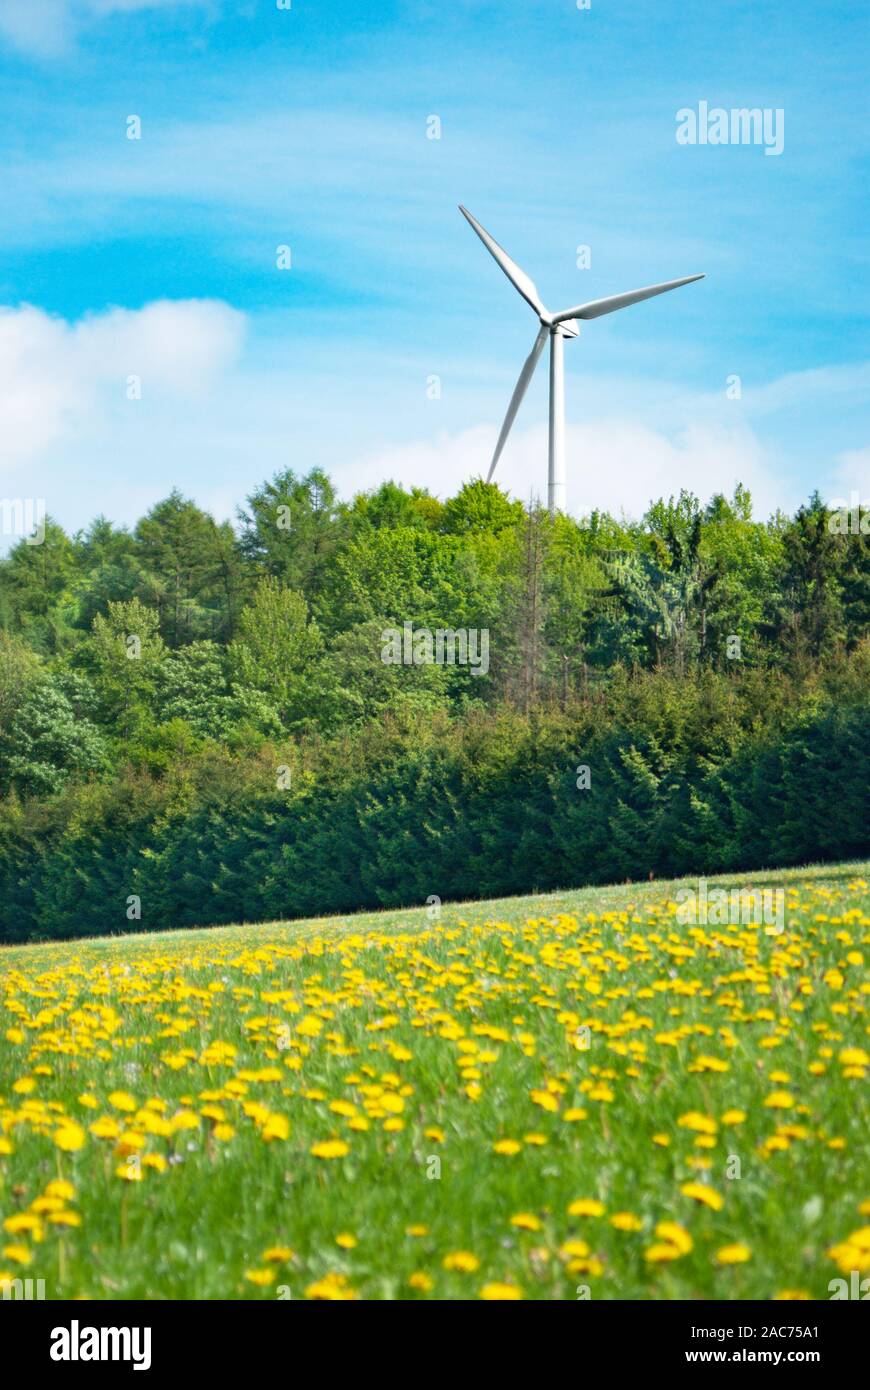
736	1254
715	1064
42	1205
676	1235
343	1107
276	1127
545	1099
586	1206
662	1252
332	1288
701	1124
183	1120
626	1221
574	1250
21	1222
129	1141
130	1171
19	1254
309	1026
779	1100
585	1266
707	1196
105	1128
122	1100
461	1260
70	1137
330	1148
526	1221
602	1093
64	1218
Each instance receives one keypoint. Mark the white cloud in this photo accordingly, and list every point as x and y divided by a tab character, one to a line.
852	475
612	464
59	379
215	420
42	29
46	28
837	386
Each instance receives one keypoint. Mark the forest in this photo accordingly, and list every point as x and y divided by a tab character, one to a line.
198	723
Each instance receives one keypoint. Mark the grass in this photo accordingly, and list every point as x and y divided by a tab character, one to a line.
504	1097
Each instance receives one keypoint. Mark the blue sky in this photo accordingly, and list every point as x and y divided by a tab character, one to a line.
308	128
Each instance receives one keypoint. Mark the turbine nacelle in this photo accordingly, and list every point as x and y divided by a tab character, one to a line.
569	328
556	327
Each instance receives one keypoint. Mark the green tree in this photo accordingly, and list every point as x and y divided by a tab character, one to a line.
292	528
742	557
189	573
390	506
276	649
480	506
20	667
354	684
855	586
36	590
123	655
192	685
46	742
108	569
809	615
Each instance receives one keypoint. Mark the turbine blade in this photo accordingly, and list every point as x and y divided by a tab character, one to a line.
518	278
596	307
520	389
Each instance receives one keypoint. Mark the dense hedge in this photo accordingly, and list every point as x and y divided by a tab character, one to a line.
686	777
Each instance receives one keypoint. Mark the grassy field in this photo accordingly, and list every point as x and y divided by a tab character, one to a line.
578	1095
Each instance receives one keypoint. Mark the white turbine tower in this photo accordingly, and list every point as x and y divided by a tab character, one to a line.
556	327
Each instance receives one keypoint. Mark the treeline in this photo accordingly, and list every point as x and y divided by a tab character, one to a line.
656	775
196	724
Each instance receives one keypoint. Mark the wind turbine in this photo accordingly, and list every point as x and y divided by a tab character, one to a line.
556	327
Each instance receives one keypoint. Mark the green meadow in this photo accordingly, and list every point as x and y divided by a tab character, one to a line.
577	1095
